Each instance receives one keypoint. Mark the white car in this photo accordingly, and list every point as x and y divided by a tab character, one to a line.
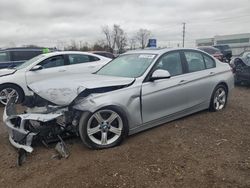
14	81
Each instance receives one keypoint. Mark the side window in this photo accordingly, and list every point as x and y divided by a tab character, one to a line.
51	62
76	59
31	54
4	57
24	55
210	63
195	61
93	58
172	63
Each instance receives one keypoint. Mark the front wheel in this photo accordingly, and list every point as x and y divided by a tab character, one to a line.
7	91
218	99
104	128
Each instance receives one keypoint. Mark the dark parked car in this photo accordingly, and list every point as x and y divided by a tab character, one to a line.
12	57
226	51
241	67
215	52
104	53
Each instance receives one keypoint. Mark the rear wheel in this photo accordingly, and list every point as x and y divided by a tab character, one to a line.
219	98
7	91
104	128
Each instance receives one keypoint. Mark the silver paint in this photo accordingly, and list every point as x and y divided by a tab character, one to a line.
143	104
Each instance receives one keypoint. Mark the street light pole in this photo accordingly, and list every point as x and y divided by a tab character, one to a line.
183	34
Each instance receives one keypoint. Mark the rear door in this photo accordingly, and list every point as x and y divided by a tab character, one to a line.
52	67
199	79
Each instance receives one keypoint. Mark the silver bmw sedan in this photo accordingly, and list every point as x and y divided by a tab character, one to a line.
136	91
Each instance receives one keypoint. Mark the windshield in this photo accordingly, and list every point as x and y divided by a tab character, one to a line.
130	65
29	62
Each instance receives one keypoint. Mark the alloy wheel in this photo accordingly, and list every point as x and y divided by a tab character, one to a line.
104	127
6	94
220	99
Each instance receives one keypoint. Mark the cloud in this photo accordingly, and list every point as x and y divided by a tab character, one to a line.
45	22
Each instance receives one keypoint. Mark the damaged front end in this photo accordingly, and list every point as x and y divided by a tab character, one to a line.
53	111
46	124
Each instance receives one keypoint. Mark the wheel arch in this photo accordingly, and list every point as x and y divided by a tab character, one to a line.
10	83
120	110
224	84
13	84
87	114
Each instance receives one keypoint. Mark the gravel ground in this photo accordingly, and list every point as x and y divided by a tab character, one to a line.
202	150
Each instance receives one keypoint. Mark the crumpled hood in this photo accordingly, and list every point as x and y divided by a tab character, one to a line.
63	90
4	72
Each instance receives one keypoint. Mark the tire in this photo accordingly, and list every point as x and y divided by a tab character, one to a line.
8	90
97	132
219	98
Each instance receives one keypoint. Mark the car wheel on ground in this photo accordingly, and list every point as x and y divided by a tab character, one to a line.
104	128
7	91
219	98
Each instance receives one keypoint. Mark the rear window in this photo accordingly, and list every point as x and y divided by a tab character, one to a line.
210	50
224	47
79	58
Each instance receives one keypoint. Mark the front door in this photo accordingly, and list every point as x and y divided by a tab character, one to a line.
164	97
52	67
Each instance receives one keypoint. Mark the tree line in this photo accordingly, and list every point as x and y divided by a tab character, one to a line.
115	40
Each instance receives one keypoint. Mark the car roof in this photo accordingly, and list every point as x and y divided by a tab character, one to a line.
207	47
21	49
159	51
49	54
99	52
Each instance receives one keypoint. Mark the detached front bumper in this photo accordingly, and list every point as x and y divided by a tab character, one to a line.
19	136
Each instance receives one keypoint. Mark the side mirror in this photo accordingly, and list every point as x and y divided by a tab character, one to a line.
36	67
160	74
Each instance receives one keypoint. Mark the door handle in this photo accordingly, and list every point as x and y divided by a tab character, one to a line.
182	82
211	73
62	70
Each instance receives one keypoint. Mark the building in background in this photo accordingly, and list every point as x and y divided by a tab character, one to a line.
238	42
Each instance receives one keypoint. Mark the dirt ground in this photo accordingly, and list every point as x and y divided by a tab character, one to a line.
202	150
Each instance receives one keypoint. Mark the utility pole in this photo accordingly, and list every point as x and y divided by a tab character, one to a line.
183	34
